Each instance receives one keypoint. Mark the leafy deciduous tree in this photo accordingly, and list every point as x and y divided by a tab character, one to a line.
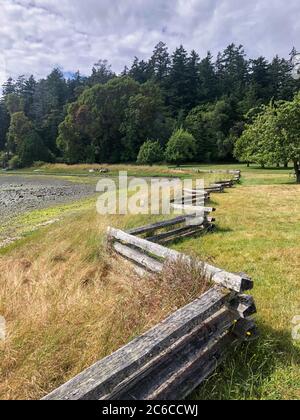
151	152
181	147
273	137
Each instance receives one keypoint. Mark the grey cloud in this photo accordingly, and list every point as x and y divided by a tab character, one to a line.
37	35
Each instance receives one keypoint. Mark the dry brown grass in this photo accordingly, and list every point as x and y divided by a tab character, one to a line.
139	169
68	303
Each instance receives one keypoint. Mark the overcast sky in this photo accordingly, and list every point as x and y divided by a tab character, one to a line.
37	35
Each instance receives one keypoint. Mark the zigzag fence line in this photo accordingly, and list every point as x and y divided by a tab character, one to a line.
176	356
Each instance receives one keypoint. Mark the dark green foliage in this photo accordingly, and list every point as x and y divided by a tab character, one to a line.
92	127
105	117
212	126
208	81
33	150
150	152
4	158
4	124
141	71
25	143
145	117
9	87
14	103
160	63
110	122
232	71
181	147
179	85
101	73
20	127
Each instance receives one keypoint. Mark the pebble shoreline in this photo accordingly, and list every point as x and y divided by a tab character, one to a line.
20	194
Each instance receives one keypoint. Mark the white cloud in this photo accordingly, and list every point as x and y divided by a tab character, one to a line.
37	35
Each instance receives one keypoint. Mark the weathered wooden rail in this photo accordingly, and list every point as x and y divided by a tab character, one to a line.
172	359
196	220
160	254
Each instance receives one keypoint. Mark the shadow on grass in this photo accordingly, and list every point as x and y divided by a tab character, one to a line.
213	202
249	370
219	229
200	234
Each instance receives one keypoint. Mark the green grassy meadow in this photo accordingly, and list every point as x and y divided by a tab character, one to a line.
61	293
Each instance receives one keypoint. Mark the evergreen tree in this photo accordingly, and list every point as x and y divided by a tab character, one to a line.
4	124
76	86
193	80
208	85
160	63
140	71
232	71
260	80
101	73
49	99
283	86
8	87
27	94
178	83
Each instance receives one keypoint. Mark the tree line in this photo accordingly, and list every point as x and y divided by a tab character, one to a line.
174	106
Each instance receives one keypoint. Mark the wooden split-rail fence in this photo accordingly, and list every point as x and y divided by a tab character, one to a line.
176	356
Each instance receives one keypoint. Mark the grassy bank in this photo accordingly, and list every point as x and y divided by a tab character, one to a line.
68	303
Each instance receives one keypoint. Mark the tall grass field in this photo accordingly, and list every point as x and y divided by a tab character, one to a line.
68	302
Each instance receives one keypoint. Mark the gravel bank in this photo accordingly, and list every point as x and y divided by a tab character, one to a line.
19	194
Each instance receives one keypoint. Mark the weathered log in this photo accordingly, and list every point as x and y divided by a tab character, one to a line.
189	194
190	197
156	226
194	220
193	209
226	184
189	202
196	194
196	370
164	376
188	234
103	377
227	181
215	189
229	280
142	259
244	305
178	233
193	190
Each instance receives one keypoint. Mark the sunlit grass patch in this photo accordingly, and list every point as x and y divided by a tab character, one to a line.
68	302
25	224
